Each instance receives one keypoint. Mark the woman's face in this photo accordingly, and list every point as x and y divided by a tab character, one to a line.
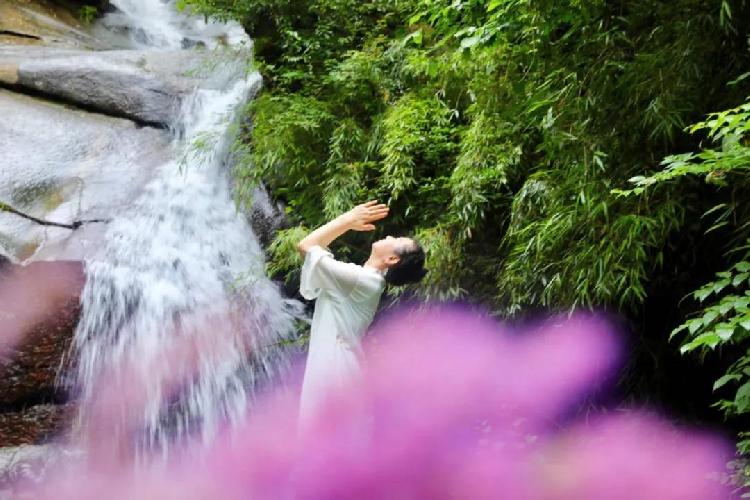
388	248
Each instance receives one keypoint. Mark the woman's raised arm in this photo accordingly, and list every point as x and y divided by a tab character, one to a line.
359	218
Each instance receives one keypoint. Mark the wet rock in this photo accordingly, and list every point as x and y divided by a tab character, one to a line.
64	164
22	465
144	86
39	308
33	425
40	22
266	217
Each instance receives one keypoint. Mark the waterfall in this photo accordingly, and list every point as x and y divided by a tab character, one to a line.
157	24
180	324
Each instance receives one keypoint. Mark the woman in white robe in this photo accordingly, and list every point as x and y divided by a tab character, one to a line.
347	296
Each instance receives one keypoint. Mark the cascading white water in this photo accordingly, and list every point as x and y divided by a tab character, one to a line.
177	307
156	23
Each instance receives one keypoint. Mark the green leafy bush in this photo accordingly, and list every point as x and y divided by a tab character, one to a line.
502	133
724	317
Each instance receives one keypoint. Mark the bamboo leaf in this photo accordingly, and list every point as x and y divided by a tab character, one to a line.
722	381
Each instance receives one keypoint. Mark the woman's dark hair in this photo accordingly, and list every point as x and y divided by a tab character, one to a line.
409	268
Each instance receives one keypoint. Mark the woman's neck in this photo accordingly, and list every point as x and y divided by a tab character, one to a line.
376	264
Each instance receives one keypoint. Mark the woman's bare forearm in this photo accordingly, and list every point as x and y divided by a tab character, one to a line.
359	218
325	234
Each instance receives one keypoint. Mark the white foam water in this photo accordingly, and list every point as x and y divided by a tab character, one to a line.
180	324
157	24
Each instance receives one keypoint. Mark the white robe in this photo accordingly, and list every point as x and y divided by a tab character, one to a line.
347	296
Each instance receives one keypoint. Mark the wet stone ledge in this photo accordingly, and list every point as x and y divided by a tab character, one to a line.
39	309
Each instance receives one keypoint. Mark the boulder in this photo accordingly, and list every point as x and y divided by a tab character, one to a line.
144	86
265	216
64	164
27	464
39	307
41	22
34	424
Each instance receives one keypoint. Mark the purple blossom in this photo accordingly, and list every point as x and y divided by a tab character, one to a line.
451	406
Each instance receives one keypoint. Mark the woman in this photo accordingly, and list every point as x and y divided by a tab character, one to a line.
347	296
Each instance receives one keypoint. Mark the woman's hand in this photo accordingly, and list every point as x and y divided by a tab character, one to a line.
361	217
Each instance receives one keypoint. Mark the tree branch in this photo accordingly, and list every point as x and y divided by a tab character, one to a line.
4	207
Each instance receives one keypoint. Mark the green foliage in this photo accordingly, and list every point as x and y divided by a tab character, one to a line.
298	40
291	134
416	133
457	113
444	259
724	317
283	250
344	174
87	14
486	161
502	132
725	320
719	167
583	254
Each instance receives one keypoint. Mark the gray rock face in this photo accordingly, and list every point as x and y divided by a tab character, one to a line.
39	307
265	216
50	23
21	466
34	424
64	164
144	86
82	131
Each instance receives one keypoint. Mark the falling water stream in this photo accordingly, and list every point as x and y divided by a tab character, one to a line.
179	319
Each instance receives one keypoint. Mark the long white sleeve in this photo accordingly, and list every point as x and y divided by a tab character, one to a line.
321	271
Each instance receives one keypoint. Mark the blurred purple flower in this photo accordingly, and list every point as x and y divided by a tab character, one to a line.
451	406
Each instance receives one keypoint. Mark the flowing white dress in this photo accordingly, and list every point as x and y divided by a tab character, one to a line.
347	296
